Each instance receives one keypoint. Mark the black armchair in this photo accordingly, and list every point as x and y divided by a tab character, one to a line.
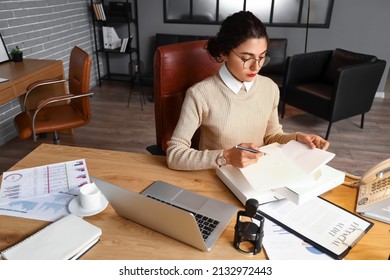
277	48
332	85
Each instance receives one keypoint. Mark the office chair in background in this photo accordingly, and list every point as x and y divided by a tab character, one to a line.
59	112
176	68
275	69
332	84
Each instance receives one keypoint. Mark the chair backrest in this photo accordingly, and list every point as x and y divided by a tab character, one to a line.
79	79
162	39
277	48
176	68
341	58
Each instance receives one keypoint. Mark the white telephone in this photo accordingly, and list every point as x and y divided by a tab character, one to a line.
374	192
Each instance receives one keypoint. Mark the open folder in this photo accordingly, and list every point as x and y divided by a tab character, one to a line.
292	171
290	164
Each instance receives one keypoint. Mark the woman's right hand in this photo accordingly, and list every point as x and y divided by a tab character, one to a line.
241	158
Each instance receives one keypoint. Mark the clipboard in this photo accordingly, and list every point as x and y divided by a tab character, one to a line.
324	225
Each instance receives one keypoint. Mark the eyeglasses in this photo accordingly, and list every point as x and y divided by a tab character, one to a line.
248	62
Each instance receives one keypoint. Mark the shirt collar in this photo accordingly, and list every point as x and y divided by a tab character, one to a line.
232	82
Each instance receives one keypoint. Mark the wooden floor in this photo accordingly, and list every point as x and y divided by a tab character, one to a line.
117	127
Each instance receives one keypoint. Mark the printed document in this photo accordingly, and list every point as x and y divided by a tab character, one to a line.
42	192
321	223
42	180
283	245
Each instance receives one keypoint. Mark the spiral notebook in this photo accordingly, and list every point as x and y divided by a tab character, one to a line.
65	239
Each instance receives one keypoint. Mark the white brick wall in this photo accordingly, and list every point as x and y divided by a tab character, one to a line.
45	29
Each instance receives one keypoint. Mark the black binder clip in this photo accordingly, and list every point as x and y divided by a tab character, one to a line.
248	231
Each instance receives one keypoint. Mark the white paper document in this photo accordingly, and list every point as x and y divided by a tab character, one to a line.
305	158
324	225
293	163
50	207
42	192
42	180
280	244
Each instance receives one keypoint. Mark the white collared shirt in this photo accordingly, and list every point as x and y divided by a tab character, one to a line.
232	82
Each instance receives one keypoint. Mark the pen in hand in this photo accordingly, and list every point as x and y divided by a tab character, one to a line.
248	149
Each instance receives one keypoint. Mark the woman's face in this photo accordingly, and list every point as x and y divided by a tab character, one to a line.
253	48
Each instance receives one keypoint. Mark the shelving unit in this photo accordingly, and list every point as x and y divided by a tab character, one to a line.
125	23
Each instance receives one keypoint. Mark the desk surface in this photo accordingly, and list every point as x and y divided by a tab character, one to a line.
123	239
21	74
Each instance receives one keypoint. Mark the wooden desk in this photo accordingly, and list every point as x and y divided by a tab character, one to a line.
22	74
123	239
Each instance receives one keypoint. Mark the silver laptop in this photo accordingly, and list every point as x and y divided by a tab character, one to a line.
181	214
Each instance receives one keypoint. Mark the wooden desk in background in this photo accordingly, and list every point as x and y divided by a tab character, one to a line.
123	239
21	74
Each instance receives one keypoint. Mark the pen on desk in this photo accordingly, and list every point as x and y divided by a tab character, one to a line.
248	149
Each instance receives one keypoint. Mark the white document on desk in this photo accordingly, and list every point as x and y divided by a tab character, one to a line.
293	163
42	192
43	180
324	225
50	207
283	245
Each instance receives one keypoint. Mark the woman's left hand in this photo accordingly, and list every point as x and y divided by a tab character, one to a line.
313	141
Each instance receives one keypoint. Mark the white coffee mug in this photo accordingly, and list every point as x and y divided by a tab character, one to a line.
89	197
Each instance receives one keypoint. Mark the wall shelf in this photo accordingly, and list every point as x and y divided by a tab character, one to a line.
125	23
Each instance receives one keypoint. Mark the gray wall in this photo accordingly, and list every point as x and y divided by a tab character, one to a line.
356	25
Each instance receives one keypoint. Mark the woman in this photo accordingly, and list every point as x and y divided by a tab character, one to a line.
235	107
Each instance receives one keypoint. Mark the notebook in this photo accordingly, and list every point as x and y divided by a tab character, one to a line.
172	210
67	238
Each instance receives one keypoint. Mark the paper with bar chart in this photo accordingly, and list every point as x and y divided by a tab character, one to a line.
42	192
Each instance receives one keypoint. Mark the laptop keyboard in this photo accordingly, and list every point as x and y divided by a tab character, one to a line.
206	224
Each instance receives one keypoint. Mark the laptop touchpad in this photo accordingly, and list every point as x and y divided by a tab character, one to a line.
190	200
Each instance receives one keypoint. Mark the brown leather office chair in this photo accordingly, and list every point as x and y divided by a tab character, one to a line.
61	112
176	68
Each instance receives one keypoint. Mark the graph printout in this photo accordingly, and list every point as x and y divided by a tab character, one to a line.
42	180
283	245
46	208
42	192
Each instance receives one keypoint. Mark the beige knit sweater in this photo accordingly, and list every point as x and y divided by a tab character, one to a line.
225	119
